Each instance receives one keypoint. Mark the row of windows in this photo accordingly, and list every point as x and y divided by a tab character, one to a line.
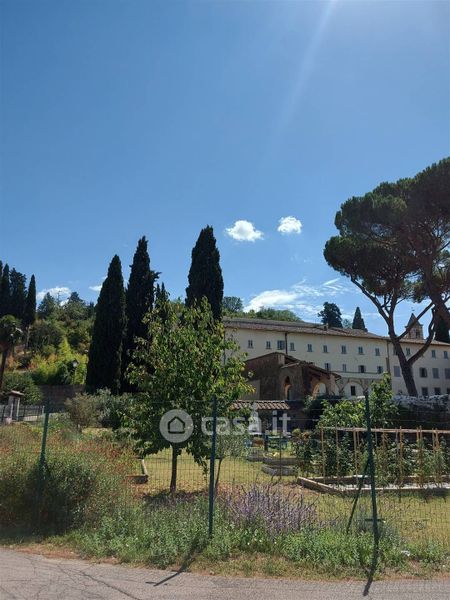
423	372
433	353
281	345
436	391
361	368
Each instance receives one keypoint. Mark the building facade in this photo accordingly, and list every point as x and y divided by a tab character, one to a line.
360	358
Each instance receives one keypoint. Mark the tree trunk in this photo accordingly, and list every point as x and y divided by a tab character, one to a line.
173	479
441	308
2	366
406	369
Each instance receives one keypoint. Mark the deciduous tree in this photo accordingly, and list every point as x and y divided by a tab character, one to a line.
179	365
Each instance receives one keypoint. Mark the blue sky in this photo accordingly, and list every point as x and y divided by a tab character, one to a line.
128	118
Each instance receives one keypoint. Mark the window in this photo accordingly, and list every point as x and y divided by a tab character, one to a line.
445	354
379	370
448	391
360	350
325	348
343	349
328	366
433	354
423	372
353	390
361	368
292	346
396	371
435	373
310	348
447	373
344	368
424	391
408	351
437	391
377	352
250	344
268	345
280	345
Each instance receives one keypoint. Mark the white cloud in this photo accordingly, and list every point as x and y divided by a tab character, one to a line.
288	225
244	231
272	298
95	288
60	292
304	299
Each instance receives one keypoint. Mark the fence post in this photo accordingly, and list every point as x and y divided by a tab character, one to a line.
372	471
42	462
212	460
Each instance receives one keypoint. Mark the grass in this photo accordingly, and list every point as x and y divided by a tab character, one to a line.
149	527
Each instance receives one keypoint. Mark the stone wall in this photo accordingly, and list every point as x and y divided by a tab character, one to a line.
58	394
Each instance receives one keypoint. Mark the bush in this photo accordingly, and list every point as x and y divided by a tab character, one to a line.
22	382
83	483
83	410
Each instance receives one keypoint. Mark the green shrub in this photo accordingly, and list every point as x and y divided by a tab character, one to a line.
22	382
83	482
83	410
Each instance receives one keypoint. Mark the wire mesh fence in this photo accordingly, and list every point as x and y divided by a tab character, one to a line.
273	474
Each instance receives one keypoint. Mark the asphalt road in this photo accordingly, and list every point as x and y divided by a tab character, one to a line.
33	577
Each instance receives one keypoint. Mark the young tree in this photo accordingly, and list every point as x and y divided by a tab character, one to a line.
10	335
18	294
139	299
5	292
331	315
179	365
205	274
358	321
105	352
29	314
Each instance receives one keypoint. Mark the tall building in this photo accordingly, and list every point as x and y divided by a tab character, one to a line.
359	357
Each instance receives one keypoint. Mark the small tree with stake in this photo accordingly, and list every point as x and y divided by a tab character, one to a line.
179	365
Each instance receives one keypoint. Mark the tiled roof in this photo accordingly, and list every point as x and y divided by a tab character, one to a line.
296	327
261	404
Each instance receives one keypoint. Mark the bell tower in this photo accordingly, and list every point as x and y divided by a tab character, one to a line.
416	331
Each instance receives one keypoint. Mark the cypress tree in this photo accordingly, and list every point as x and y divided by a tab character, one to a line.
139	300
5	292
29	315
205	275
358	321
105	352
18	294
442	332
